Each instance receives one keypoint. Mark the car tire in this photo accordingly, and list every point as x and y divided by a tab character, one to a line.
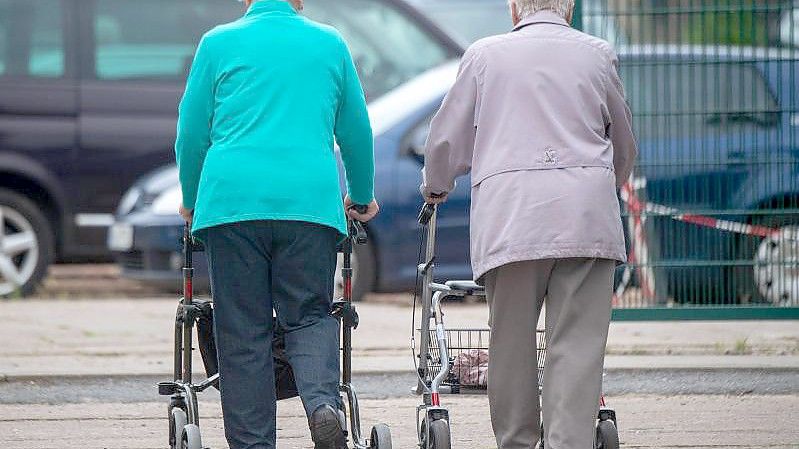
23	263
744	276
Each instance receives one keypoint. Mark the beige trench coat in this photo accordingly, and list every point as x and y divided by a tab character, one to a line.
539	117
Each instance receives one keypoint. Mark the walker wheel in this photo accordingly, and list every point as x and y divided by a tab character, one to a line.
191	437
541	444
177	421
381	437
439	435
607	436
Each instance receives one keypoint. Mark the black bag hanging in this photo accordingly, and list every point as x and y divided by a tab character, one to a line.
285	385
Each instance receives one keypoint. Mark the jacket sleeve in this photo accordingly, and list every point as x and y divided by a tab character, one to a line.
619	126
195	115
353	133
450	144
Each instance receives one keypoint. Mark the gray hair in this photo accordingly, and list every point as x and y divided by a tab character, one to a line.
528	7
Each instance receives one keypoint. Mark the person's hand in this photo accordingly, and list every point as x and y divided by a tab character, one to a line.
187	214
372	209
435	198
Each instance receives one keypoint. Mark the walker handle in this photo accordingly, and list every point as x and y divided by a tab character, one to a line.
189	242
426	213
360	208
357	229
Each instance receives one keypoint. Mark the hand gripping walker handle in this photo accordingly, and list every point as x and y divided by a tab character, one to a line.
357	229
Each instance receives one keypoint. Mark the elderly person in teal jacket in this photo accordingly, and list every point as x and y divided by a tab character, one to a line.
265	99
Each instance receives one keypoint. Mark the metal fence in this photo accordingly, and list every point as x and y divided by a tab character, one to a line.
712	211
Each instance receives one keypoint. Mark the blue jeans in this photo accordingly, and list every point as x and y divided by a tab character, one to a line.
255	267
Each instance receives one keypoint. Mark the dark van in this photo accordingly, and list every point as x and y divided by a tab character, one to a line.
88	99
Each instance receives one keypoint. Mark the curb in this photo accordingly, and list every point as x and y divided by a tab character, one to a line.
7	379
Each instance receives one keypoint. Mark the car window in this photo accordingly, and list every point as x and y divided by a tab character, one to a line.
133	43
4	14
684	98
469	20
153	39
34	31
388	47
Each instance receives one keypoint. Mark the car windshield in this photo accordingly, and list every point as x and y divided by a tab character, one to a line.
389	48
471	20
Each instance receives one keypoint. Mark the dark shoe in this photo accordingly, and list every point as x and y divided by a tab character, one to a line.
326	429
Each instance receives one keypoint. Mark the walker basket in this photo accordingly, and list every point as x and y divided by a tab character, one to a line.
468	356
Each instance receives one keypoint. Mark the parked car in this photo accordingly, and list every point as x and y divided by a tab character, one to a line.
88	98
471	20
147	231
692	161
719	140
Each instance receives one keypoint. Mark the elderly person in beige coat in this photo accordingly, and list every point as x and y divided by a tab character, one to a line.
539	117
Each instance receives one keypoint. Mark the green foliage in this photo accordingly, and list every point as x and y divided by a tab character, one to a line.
742	347
729	22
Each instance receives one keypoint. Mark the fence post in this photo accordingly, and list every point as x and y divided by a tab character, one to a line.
577	17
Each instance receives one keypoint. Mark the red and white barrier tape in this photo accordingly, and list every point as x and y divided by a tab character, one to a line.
637	207
639	250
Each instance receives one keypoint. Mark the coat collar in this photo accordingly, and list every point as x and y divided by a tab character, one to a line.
543	16
270	6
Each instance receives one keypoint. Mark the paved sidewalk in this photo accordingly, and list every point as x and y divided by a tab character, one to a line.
134	337
652	422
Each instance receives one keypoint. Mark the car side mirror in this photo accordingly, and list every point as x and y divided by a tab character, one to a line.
416	140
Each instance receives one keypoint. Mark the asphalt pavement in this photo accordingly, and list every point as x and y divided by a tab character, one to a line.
132	389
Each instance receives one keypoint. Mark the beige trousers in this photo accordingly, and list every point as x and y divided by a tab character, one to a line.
578	304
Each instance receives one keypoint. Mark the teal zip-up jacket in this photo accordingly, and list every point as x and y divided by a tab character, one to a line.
265	97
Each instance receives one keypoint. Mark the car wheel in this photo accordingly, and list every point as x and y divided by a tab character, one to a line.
773	276
777	267
26	245
363	273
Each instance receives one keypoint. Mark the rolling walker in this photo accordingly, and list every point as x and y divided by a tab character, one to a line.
439	348
184	418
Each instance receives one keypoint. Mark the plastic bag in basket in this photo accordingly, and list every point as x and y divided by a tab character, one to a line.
471	367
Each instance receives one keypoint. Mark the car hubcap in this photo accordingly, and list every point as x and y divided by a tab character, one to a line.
338	291
777	267
19	250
